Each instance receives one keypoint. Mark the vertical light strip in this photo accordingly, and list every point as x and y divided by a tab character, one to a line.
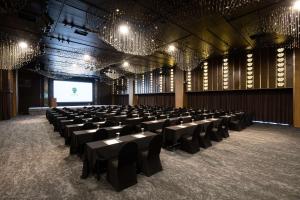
160	80
117	91
151	82
171	80
143	83
127	92
280	68
250	72
135	85
189	80
225	73
122	84
205	76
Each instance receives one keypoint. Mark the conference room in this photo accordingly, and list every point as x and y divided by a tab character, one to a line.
150	99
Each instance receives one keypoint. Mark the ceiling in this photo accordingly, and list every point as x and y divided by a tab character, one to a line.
178	21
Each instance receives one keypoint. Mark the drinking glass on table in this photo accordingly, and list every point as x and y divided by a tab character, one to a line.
212	116
142	129
105	119
118	135
204	118
192	120
120	123
181	123
155	118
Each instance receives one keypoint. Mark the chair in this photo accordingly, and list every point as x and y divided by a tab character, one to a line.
121	172
238	123
165	124
109	123
88	126
101	134
149	161
224	128
190	143
78	121
128	129
215	134
204	139
96	119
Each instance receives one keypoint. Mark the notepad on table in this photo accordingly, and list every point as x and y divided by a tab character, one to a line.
139	135
112	141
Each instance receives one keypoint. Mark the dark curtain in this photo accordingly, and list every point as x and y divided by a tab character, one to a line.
121	99
156	99
273	105
5	95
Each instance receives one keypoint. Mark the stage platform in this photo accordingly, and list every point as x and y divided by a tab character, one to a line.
42	110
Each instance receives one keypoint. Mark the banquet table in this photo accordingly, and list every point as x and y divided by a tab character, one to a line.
108	149
69	129
83	136
157	124
173	133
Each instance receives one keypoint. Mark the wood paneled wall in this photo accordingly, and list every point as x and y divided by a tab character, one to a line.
269	105
8	96
161	99
264	63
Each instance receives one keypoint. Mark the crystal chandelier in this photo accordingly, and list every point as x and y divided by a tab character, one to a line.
113	74
12	6
129	36
185	58
14	54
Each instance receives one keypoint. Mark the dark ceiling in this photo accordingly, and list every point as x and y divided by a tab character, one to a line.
178	21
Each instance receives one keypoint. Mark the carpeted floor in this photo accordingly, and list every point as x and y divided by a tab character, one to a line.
261	162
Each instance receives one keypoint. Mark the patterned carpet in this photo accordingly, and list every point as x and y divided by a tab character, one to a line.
261	162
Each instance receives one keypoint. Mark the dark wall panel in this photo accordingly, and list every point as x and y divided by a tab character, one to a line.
271	105
164	99
121	99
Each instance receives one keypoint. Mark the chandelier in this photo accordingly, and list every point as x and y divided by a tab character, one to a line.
185	58
128	35
14	54
113	74
12	6
136	68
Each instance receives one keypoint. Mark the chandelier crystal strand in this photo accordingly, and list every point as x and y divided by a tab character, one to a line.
129	36
14	55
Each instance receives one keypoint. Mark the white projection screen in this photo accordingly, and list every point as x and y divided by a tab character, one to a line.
71	91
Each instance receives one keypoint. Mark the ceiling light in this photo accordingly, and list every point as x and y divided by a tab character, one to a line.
23	45
296	5
125	64
74	65
123	29
86	57
171	48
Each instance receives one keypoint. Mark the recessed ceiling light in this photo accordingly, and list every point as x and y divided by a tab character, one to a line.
123	29
296	5
23	44
86	57
125	64
171	48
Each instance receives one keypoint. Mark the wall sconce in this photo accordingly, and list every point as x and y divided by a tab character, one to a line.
249	72
160	80
189	80
225	74
151	82
172	80
205	76
280	68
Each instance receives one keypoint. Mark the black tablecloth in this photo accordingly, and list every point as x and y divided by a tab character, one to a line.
81	137
157	124
105	151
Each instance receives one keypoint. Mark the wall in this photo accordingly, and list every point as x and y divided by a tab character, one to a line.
31	90
8	94
272	105
161	99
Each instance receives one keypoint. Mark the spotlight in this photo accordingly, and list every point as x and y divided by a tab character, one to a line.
23	45
123	29
86	57
171	48
296	5
125	64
